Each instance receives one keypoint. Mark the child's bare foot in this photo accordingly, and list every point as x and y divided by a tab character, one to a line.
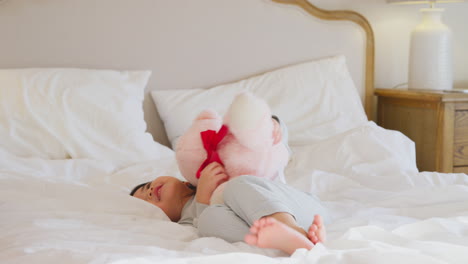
267	232
316	232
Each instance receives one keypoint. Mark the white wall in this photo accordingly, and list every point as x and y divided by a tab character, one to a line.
392	26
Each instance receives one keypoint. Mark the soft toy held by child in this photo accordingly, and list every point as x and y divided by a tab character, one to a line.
243	143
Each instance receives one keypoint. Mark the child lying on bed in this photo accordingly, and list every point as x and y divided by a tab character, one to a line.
258	211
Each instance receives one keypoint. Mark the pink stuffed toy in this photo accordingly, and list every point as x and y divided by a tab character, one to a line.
243	142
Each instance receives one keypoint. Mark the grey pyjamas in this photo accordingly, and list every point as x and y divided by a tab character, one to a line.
248	198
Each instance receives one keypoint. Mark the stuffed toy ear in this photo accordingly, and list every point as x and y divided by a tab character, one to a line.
189	150
208	114
249	120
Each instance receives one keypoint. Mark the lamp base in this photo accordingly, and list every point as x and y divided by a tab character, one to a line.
430	62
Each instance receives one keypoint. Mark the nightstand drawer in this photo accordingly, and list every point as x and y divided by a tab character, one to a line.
436	121
460	146
460	169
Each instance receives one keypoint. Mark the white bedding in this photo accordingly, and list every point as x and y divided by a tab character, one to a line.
384	211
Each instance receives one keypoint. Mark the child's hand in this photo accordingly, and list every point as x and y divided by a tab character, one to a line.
277	134
210	178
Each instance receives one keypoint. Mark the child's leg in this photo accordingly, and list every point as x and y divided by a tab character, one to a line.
220	221
278	214
288	220
252	198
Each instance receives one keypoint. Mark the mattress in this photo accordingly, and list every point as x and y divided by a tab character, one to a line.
383	210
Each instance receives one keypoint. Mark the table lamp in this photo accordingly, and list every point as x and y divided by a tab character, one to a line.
430	59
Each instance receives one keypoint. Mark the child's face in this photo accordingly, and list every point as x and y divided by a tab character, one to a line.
168	193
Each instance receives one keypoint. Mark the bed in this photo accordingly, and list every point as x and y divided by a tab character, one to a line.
95	93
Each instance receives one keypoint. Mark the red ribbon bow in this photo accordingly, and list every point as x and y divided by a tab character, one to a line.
211	139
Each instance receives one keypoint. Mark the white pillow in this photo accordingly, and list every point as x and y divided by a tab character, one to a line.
75	113
316	100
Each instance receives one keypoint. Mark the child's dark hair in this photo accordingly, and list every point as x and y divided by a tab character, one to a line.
192	187
136	188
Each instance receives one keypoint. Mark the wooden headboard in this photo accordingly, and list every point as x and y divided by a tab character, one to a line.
186	43
369	44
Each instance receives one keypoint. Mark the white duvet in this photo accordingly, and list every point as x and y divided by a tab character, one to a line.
383	209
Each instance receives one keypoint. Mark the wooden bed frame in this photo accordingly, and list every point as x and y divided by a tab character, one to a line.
370	48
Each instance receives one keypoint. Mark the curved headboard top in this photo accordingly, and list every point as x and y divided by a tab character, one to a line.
369	44
186	44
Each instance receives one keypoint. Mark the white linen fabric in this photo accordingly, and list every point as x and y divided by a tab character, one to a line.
383	210
75	113
316	100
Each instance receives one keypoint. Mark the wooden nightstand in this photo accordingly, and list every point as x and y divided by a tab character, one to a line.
436	121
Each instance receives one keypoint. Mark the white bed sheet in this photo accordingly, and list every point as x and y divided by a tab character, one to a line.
383	210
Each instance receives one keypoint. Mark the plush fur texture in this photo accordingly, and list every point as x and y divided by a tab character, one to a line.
247	149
